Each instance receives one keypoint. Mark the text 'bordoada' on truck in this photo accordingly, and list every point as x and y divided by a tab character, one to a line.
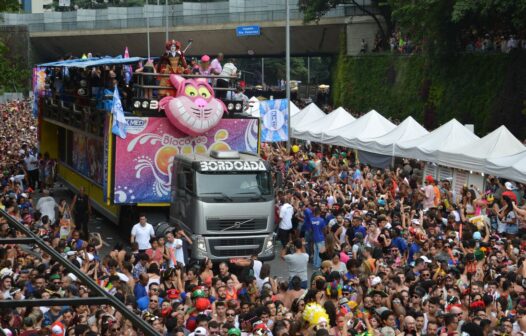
180	155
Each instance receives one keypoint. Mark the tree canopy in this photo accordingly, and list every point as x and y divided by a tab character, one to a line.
9	5
13	77
438	24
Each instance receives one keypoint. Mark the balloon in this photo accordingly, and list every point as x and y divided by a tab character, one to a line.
295	148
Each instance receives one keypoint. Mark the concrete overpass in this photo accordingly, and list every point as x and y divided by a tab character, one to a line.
306	39
211	25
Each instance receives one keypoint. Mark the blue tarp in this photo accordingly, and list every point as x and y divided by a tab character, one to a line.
93	62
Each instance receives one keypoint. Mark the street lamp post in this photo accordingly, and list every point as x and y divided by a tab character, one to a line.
166	23
287	51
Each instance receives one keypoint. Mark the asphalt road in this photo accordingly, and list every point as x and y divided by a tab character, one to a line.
111	235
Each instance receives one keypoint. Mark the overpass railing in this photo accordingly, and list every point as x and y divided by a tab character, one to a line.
175	20
22	235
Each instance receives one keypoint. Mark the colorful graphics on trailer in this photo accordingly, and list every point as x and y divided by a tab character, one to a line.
143	161
87	157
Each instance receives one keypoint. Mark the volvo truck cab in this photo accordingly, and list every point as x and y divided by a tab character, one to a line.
225	200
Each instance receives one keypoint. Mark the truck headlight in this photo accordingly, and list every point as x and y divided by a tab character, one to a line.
200	243
268	245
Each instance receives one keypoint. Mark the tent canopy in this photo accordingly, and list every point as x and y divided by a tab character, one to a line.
93	62
368	126
293	109
314	130
309	114
473	156
409	129
446	138
511	166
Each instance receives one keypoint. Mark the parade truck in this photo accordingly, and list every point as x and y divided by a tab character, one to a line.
166	148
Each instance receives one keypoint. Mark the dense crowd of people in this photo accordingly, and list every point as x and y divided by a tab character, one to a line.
368	252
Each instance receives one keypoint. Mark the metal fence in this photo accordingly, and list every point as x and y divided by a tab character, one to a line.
176	19
10	96
102	297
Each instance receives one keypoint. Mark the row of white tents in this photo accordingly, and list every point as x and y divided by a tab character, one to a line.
452	144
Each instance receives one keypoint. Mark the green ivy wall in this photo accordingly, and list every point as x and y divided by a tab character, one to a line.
483	89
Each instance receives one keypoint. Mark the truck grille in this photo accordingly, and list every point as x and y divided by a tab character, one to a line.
235	247
222	224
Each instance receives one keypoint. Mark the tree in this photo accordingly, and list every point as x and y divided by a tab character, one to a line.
9	6
314	10
437	25
12	76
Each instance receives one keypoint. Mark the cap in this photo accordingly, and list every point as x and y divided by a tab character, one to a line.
426	259
7	332
376	281
234	332
430	179
205	58
477	236
509	185
57	329
199	331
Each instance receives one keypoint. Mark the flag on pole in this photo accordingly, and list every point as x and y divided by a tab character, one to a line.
127	68
119	122
274	115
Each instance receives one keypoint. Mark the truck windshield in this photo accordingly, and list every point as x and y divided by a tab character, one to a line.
249	185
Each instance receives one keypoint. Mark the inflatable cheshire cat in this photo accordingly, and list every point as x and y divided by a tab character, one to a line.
194	110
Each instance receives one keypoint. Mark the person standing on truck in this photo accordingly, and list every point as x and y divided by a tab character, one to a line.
81	208
141	233
228	70
286	211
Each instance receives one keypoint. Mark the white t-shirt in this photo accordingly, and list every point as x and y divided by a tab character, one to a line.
142	235
46	205
31	162
229	69
285	213
179	254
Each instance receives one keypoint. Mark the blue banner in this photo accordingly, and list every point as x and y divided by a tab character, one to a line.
274	120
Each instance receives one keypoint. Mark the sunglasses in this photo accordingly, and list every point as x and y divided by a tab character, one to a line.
231	315
154	301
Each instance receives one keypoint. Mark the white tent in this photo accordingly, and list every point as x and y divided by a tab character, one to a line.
253	107
511	166
313	131
368	126
309	114
473	156
446	138
293	109
407	130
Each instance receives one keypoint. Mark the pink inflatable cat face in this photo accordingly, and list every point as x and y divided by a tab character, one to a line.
194	110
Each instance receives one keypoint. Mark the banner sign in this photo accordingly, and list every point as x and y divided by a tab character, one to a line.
274	120
231	166
87	157
39	87
143	160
